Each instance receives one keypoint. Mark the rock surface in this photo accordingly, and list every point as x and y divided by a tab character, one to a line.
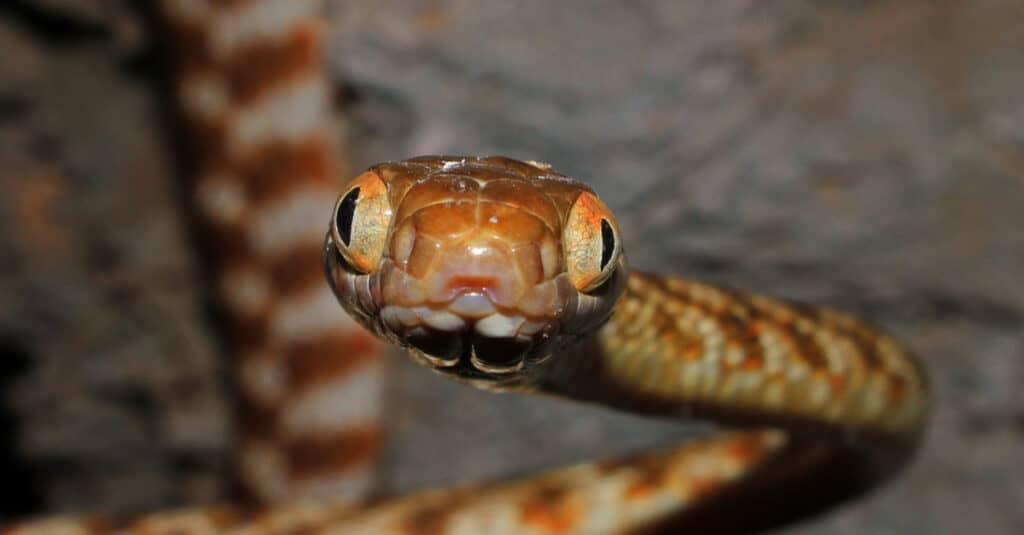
866	155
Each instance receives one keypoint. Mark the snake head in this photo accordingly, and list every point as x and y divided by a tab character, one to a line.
481	267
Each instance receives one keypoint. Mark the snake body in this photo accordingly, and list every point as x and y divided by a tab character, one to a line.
511	277
254	101
508	276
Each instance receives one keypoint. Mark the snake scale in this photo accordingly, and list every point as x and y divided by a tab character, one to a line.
508	276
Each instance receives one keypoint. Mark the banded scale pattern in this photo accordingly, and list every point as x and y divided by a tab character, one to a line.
255	101
690	342
830	406
592	498
675	348
847	402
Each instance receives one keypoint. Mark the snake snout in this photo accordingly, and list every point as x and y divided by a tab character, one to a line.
470	329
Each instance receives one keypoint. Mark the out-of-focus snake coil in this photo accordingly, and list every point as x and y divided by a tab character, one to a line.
508	276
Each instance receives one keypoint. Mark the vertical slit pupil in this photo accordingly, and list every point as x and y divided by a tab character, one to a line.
607	243
346	211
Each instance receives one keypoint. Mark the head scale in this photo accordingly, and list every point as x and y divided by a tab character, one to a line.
481	267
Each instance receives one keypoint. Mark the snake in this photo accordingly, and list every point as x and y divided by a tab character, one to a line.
510	277
254	103
507	276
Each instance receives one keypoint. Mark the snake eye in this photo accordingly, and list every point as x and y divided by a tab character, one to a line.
591	241
362	216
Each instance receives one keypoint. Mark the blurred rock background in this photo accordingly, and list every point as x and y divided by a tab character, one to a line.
863	154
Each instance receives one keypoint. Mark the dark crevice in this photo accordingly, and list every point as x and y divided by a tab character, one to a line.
19	494
158	59
149	62
145	64
12	107
52	26
345	95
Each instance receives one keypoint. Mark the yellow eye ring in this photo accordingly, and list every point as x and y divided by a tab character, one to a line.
362	218
591	242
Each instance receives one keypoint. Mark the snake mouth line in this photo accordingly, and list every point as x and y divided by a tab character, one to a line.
490	355
468	330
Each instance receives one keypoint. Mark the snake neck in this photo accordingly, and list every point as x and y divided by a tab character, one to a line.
683	348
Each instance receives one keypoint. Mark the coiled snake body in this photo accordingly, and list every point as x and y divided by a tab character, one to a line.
509	276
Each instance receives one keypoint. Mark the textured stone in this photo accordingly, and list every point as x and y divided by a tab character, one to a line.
861	154
99	293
